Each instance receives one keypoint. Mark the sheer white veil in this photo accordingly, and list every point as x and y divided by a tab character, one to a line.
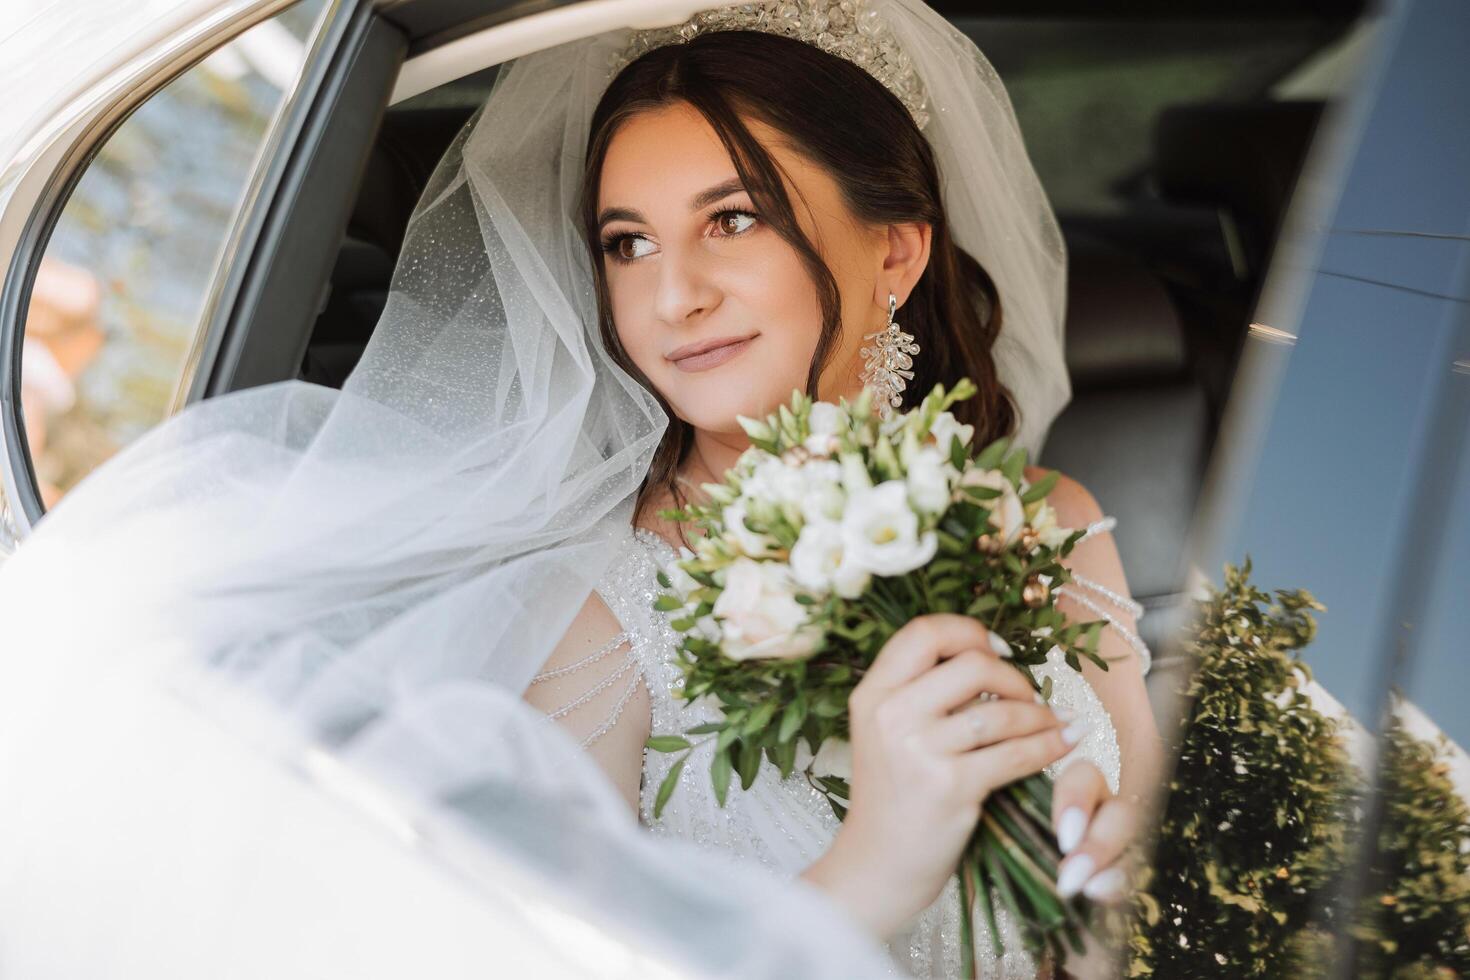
384	568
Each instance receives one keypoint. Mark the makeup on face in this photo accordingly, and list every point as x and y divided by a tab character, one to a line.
706	354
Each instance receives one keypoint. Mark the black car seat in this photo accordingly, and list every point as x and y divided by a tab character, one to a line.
403	158
1138	428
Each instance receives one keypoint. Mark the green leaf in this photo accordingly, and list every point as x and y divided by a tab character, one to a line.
830	703
784	756
956	453
1041	487
666	788
1014	465
760	717
668	603
708	728
792	718
663	579
727	736
720	775
992	454
749	762
667	743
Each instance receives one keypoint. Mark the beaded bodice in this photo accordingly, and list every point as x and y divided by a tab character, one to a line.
786	824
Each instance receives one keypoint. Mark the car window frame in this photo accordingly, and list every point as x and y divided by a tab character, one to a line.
302	126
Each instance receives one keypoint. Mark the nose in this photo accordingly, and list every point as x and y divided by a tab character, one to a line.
684	290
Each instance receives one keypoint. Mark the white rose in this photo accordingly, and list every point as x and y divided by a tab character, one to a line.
820	564
945	427
1007	515
834	758
760	614
928	480
824	421
752	543
881	531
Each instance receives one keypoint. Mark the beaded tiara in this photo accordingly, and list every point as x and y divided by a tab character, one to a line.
850	29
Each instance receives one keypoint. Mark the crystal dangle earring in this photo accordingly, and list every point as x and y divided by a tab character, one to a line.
888	362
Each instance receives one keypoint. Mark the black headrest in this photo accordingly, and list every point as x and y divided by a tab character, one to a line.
1121	324
402	160
1243	157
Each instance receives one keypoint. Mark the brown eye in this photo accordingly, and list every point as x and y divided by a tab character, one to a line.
734	222
625	248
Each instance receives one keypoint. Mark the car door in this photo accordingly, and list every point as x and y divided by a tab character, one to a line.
1346	470
158	205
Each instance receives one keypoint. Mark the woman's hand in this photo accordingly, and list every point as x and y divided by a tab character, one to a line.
925	755
1094	829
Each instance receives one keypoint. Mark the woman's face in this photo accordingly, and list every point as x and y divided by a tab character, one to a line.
688	262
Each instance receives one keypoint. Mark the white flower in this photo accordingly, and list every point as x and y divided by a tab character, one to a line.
1007	515
819	561
708	628
822	497
945	427
881	531
834	758
801	491
824	421
929	474
803	755
1045	524
817	555
752	543
760	614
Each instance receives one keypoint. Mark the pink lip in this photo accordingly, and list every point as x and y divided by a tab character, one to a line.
710	353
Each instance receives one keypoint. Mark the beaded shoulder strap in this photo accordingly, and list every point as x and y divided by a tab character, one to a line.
1091	594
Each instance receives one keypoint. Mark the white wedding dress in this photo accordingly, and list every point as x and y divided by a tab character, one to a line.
785	824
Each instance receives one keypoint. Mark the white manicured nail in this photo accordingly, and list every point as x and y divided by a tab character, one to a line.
1105	885
1070	828
1075	871
1073	733
1001	647
1064	714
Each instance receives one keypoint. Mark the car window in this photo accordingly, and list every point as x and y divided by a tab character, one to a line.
124	285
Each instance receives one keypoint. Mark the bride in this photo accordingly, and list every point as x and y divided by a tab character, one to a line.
755	208
413	573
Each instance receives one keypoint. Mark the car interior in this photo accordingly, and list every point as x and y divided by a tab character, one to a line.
1168	242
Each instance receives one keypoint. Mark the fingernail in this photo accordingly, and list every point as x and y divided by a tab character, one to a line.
1001	647
1075	871
1073	733
1105	885
1070	828
1065	714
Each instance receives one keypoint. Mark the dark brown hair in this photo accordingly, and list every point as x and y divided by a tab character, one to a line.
837	115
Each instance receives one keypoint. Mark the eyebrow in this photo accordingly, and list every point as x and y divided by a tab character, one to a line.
698	202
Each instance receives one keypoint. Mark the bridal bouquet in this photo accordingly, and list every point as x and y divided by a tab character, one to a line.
831	531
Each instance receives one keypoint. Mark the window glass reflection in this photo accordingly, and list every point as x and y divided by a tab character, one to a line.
121	293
